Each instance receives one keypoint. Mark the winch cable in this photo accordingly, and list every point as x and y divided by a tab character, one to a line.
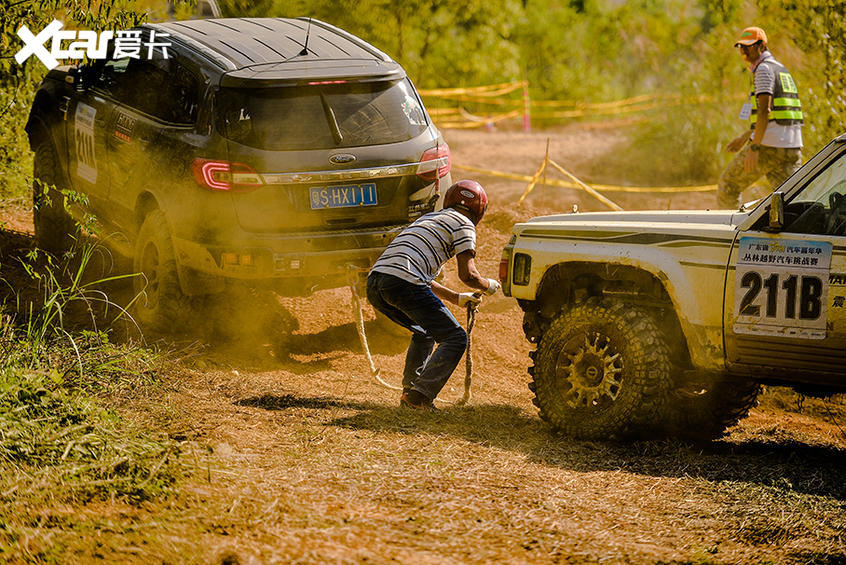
377	373
359	319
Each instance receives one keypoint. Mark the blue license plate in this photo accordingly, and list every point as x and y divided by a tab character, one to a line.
346	196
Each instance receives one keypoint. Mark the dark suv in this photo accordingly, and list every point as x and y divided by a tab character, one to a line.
278	152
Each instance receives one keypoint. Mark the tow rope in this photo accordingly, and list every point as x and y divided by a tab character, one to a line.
376	373
468	355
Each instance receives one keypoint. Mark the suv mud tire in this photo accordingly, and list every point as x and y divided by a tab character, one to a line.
54	227
707	413
602	370
160	303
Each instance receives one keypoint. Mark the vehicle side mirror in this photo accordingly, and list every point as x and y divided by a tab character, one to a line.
776	211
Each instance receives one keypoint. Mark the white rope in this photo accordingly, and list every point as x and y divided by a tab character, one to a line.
377	373
359	318
468	356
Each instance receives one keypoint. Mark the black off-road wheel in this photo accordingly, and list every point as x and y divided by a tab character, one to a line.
707	410
159	303
54	227
602	371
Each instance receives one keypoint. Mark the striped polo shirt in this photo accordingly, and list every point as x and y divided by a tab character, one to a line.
418	252
776	135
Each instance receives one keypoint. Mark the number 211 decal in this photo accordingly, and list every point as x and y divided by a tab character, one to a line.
781	287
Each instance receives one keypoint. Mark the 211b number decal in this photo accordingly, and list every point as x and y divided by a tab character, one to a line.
809	294
781	287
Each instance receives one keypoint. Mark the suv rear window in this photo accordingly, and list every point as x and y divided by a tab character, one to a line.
321	116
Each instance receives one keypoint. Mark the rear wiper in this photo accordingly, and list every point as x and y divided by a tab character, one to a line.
333	123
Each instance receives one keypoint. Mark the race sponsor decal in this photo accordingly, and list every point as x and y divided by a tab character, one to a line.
782	287
86	161
123	127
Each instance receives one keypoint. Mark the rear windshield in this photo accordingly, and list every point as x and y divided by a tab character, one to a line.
321	116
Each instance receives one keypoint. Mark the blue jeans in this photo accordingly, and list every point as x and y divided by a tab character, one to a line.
416	308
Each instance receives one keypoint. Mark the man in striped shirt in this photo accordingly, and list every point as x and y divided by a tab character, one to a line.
402	285
775	117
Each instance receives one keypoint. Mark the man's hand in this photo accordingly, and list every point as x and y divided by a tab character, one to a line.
737	143
465	298
493	286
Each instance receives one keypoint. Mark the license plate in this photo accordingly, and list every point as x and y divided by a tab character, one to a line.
347	196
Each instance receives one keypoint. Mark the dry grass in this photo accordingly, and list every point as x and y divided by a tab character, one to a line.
325	468
311	461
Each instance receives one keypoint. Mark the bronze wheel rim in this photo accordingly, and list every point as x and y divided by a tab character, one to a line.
590	370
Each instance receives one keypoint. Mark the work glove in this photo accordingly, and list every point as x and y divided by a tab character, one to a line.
493	286
465	298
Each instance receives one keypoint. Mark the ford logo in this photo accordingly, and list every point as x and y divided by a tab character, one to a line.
341	158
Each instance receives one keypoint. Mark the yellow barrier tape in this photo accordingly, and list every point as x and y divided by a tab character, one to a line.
533	181
480	100
489	90
460	125
605	187
444	111
589	189
604	112
488	119
582	104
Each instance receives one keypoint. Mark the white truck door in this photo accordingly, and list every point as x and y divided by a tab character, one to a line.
784	301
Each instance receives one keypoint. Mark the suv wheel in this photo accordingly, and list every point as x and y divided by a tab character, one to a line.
54	227
159	296
706	412
602	370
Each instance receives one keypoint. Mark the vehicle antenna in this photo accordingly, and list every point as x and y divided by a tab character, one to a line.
305	46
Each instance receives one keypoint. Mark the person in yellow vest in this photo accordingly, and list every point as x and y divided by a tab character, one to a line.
772	146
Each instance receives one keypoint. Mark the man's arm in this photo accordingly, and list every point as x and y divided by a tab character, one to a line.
763	118
738	142
444	293
468	273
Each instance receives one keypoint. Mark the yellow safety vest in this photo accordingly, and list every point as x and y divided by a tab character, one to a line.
787	108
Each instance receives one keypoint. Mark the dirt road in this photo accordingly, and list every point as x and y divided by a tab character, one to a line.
313	461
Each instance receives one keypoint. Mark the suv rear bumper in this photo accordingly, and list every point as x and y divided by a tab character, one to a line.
309	255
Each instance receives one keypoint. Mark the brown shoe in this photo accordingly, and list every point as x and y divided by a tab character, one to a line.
415	400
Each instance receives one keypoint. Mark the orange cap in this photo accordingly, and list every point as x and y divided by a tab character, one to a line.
751	35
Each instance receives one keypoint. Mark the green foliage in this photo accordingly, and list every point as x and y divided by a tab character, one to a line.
56	439
818	30
439	43
79	451
245	8
587	50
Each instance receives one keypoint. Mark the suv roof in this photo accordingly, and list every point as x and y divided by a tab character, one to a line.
258	51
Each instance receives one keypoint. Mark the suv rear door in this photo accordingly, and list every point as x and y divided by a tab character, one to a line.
155	115
330	154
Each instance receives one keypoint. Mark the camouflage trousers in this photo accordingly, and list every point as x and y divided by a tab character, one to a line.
776	163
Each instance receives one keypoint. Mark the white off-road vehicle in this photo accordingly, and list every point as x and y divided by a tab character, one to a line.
667	323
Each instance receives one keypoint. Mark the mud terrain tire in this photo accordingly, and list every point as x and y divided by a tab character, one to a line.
54	227
707	413
602	370
160	303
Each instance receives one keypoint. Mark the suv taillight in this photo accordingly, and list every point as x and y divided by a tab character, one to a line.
435	161
223	175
